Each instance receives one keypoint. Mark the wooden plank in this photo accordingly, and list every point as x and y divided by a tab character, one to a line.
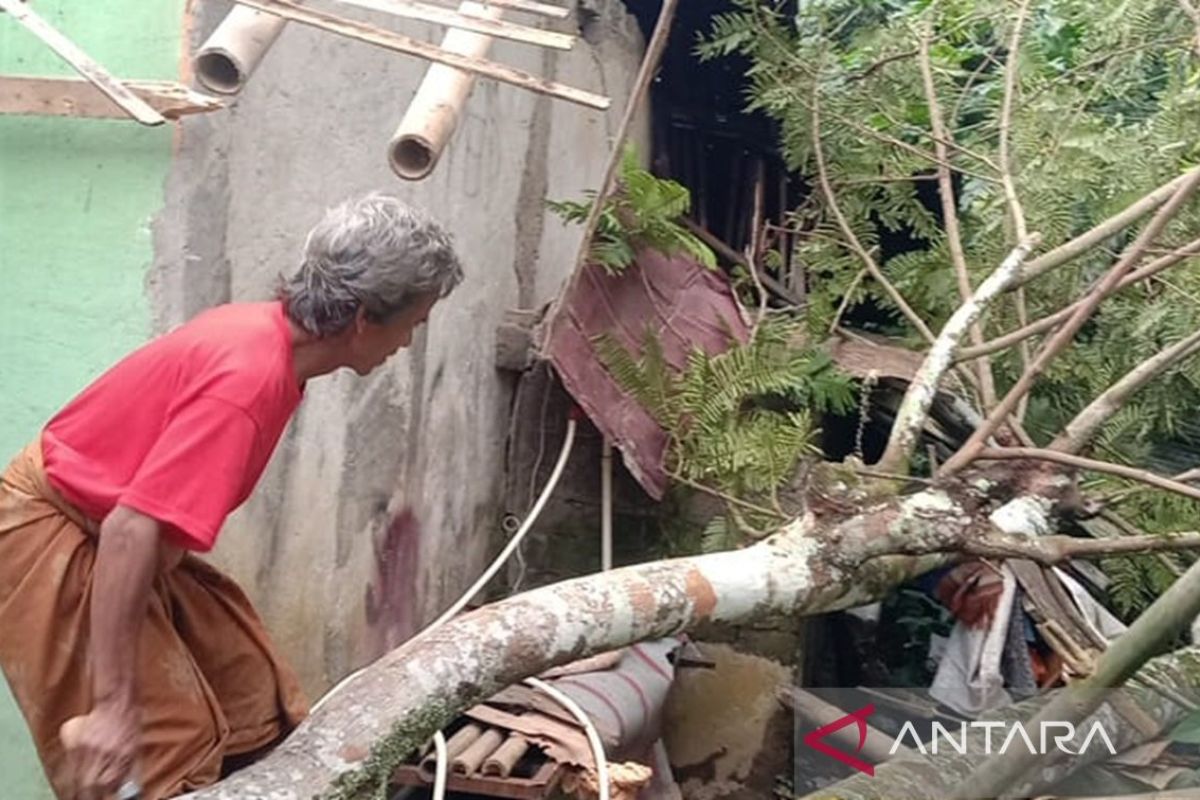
82	63
75	97
531	7
403	44
499	29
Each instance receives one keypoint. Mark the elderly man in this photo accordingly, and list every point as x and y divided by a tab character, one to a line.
106	619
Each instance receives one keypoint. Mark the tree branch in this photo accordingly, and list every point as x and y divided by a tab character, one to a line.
1175	608
350	746
1006	171
1006	108
1051	321
914	408
786	51
851	239
1079	462
1064	336
841	309
987	386
1113	225
1080	431
728	498
1045	550
881	63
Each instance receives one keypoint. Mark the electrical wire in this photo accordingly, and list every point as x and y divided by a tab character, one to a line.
439	741
593	736
439	780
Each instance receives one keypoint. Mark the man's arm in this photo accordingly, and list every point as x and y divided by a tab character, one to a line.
106	741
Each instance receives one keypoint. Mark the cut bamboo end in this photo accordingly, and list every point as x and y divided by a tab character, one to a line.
412	156
432	116
218	70
469	760
501	763
455	745
231	54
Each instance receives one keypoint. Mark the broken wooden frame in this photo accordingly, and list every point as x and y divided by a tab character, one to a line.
75	97
237	46
226	60
78	102
403	44
234	50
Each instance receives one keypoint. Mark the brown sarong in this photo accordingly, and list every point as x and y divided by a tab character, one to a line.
210	684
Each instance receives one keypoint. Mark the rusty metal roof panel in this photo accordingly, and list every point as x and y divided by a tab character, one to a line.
681	303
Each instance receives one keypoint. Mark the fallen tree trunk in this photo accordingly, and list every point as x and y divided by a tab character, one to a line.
349	748
842	558
929	777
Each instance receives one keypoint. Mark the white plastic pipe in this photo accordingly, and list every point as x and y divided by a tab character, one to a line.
226	60
437	106
439	781
515	541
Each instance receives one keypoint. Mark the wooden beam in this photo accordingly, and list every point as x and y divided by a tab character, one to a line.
731	255
75	97
498	29
82	63
403	44
532	7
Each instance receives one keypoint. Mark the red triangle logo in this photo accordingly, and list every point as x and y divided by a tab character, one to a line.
859	718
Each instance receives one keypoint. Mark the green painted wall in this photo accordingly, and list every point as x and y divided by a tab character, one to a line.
76	201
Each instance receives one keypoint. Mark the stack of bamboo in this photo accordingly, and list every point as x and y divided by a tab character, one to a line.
476	748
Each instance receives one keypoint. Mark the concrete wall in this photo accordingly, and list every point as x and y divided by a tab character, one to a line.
381	504
76	200
384	496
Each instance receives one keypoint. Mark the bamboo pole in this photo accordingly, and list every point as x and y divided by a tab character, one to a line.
433	114
501	762
455	745
470	759
231	54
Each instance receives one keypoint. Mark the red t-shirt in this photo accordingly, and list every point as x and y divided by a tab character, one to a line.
182	428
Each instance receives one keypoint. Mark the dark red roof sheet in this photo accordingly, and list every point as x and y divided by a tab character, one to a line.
684	305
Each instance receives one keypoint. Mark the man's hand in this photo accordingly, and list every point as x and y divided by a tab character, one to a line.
102	748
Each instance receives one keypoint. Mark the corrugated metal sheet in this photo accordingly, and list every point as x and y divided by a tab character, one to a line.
682	304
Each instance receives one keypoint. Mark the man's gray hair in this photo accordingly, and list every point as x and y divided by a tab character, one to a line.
376	253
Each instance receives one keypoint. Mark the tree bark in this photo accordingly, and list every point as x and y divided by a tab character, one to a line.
350	747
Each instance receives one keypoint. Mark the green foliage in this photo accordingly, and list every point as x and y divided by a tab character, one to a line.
910	619
1106	108
1138	582
739	421
642	212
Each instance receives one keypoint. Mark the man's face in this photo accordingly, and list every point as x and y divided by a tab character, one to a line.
373	343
